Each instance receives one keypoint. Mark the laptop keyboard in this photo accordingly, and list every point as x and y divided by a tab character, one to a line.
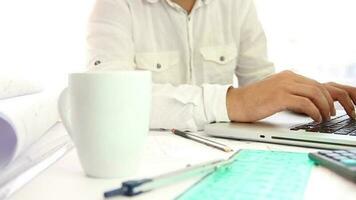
342	125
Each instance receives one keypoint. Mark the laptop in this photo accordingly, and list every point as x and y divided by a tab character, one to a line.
292	129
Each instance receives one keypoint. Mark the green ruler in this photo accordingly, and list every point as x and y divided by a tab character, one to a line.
256	175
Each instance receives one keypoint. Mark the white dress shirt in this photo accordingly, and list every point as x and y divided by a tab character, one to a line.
193	56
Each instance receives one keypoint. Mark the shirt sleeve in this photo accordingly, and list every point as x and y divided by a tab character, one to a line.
110	47
109	39
188	107
253	64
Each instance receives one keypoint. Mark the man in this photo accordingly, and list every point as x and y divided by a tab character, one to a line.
193	48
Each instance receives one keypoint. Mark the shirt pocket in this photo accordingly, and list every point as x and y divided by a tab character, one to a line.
219	63
163	65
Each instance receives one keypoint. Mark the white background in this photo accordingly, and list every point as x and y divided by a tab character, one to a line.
45	39
314	37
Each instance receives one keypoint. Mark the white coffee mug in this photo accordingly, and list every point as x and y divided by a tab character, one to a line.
107	116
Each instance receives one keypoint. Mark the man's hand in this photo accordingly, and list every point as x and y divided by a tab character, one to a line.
289	91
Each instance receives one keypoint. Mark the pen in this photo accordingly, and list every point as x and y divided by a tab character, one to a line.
135	187
202	140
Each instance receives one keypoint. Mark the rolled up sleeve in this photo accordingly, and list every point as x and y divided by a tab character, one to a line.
215	101
188	107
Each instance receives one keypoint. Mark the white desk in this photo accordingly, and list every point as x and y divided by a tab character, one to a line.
165	152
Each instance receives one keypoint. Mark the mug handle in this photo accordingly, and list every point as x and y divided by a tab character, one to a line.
64	110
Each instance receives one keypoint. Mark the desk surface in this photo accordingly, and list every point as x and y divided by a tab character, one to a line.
165	152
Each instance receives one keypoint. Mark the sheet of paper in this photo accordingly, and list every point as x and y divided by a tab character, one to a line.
166	152
39	156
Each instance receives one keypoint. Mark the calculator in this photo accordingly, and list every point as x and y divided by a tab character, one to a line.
342	162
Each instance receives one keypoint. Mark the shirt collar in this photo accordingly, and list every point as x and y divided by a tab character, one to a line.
155	1
152	1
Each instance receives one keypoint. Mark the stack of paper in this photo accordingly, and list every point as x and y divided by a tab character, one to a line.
26	116
39	156
23	120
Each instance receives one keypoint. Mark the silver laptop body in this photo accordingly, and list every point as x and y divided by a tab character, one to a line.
276	129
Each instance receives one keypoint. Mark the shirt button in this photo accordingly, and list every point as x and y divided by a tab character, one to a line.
158	66
222	58
98	62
